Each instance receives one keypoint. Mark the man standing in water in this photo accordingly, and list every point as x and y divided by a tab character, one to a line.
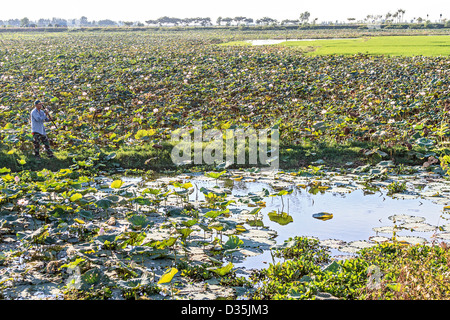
38	117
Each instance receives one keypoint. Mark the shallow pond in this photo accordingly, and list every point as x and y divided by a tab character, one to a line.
237	216
361	217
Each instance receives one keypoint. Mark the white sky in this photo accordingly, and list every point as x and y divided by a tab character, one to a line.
141	10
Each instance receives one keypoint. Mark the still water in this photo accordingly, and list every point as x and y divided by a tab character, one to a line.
355	214
358	216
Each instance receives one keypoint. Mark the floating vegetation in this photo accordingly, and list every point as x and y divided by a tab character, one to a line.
444	236
404	218
379	239
418	226
120	237
323	216
332	243
411	240
281	218
89	225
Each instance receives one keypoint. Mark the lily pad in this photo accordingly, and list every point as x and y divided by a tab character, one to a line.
404	218
418	226
360	244
411	239
332	243
222	271
386	229
323	216
443	235
349	249
168	276
281	218
379	239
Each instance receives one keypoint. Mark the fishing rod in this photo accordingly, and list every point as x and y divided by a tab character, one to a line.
51	119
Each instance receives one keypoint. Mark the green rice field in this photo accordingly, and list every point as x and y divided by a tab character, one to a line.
379	45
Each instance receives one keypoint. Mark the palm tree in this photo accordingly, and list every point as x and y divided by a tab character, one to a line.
387	17
395	15
304	17
401	13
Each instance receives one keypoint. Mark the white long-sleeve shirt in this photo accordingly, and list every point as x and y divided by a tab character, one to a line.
37	121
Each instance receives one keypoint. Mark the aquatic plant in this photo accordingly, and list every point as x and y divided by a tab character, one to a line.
167	277
396	187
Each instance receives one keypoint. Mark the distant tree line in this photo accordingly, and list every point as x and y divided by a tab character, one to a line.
168	21
56	22
304	19
162	21
84	22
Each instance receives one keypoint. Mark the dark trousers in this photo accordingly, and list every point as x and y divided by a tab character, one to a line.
39	139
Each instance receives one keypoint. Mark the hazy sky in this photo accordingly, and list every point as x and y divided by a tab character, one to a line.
141	10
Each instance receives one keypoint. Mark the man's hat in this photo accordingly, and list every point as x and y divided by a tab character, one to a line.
37	102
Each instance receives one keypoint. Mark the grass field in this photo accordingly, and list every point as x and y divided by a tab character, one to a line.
395	46
381	45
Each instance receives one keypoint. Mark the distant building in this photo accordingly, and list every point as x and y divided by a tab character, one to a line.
73	23
373	26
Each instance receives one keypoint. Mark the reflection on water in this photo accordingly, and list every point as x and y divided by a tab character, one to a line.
355	214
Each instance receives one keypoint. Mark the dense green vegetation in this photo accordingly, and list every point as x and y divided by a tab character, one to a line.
158	82
388	271
392	46
117	97
381	45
